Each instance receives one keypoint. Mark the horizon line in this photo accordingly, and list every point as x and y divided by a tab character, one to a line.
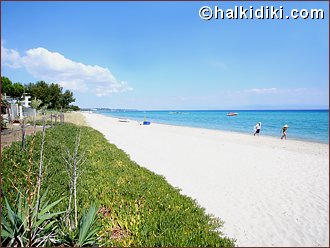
307	109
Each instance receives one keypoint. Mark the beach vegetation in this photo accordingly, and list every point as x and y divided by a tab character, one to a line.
35	103
26	226
27	220
83	235
135	207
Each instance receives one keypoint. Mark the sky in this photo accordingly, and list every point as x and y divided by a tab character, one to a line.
164	56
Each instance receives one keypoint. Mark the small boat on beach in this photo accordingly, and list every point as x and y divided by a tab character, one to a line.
123	120
232	114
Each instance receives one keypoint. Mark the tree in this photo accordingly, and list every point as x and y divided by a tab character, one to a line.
54	93
6	86
13	90
17	90
40	90
50	94
73	107
66	98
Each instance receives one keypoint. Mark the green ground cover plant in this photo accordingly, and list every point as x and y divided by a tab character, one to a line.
136	207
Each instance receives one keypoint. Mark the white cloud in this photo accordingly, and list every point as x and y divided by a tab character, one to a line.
283	91
103	91
54	67
262	91
282	96
10	58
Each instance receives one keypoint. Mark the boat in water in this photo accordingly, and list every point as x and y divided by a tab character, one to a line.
232	114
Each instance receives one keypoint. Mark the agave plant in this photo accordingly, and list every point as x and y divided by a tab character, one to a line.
84	234
25	226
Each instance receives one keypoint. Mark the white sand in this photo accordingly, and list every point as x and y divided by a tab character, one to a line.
269	192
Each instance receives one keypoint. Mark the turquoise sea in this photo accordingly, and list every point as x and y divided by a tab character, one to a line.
310	125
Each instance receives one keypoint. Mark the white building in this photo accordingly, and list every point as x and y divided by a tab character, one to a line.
26	102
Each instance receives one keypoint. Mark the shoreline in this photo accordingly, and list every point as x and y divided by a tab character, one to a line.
220	130
269	192
233	131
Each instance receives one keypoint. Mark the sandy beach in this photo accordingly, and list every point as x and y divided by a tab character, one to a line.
269	192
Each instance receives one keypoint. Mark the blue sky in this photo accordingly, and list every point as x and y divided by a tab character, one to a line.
162	55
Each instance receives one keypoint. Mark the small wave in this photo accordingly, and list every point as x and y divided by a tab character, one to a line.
178	113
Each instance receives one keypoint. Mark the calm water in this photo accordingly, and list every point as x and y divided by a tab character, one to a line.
312	125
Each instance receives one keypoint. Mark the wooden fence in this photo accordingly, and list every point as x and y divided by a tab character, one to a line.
30	127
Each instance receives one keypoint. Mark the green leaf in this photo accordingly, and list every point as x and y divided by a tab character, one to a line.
91	233
5	234
86	223
47	208
49	225
46	217
19	208
43	197
10	213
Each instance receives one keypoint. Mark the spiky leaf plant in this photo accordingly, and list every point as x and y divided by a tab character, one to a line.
84	234
25	226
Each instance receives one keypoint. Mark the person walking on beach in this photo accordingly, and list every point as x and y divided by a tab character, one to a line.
284	128
257	128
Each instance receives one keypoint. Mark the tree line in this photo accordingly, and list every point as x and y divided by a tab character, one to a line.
50	96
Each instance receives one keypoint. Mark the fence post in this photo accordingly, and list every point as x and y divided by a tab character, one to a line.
43	122
55	120
9	114
23	134
51	120
34	121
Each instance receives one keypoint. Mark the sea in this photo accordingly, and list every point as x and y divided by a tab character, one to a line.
307	125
